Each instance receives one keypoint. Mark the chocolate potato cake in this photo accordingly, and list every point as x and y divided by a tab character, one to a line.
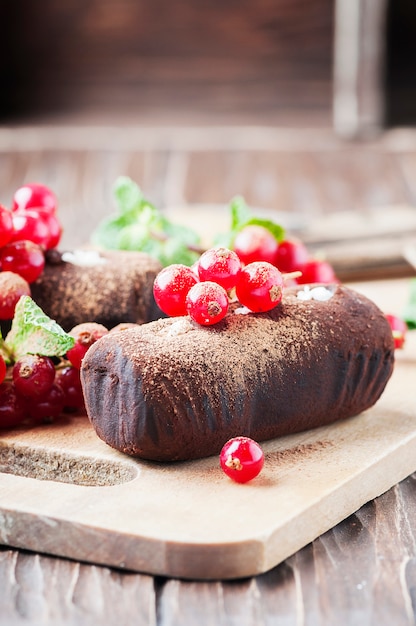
172	390
107	287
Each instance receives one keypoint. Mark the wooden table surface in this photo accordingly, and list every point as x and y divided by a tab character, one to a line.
363	571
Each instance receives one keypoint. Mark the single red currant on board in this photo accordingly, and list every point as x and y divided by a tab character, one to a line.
171	287
255	243
291	255
316	271
85	335
34	195
6	226
33	375
24	258
260	286
219	265
207	303
241	459
12	287
399	329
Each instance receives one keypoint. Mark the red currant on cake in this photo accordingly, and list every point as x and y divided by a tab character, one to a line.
85	335
220	265
171	287
34	195
255	243
207	303
399	329
24	258
260	286
33	375
317	271
241	459
291	255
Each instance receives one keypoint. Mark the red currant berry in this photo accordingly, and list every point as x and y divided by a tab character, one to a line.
207	303
6	226
399	329
171	287
219	265
255	243
53	225
315	271
33	375
24	258
12	287
260	287
3	369
291	255
48	407
69	380
12	406
241	459
85	335
28	226
34	195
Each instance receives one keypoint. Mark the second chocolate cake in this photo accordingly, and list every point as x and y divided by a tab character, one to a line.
172	390
107	287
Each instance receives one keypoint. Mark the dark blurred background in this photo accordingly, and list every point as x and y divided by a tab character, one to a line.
241	61
256	61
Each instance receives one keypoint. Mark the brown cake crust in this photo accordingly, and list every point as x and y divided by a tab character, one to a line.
119	290
172	390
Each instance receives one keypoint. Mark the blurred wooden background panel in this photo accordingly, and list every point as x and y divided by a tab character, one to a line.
238	58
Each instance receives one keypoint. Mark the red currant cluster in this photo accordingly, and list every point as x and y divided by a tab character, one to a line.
38	389
257	243
203	291
27	231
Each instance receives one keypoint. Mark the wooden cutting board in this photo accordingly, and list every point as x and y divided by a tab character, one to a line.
64	492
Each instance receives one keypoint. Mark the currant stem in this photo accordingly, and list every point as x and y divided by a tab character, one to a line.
234	463
291	275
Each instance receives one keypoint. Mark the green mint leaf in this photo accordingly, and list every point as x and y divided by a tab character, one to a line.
409	313
3	350
107	232
177	231
127	194
277	231
176	251
240	212
33	332
133	237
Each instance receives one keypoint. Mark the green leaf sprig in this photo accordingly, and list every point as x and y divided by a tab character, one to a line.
139	225
33	332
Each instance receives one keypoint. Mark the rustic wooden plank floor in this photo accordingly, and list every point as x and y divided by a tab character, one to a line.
361	572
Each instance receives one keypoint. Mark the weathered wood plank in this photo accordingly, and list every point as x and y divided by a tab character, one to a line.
37	590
